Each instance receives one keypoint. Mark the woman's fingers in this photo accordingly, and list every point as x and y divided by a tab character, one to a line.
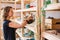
29	18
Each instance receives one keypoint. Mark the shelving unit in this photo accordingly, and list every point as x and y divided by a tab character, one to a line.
36	26
36	29
28	26
48	34
53	7
20	34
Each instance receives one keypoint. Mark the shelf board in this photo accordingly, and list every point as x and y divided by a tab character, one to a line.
8	2
20	34
18	2
29	9
53	7
31	27
50	36
13	8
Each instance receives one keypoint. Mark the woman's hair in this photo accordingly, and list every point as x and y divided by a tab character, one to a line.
6	12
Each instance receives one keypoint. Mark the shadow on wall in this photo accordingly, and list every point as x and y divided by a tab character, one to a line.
55	14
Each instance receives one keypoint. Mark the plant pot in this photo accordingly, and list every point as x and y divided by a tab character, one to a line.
27	5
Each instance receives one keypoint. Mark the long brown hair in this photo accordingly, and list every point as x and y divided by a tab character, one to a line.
6	12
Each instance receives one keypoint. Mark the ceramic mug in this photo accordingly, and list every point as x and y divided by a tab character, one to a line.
27	5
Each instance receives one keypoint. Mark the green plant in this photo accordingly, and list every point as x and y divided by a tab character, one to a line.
46	2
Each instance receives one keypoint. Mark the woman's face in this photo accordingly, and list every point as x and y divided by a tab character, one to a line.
11	12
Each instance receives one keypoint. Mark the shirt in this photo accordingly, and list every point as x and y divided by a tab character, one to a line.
9	33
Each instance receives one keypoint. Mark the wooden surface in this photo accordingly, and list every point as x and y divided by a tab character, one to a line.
26	10
53	7
52	23
20	34
50	35
39	26
42	19
18	2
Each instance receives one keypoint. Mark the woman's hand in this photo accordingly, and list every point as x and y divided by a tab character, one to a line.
24	23
29	18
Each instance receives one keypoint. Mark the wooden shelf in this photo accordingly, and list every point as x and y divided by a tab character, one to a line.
20	34
18	2
8	2
31	27
29	9
53	7
50	36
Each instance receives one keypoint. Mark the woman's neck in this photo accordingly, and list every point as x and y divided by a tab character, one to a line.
8	18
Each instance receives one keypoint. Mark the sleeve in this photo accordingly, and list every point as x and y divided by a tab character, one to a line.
6	23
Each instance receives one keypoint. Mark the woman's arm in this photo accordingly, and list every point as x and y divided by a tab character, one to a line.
16	25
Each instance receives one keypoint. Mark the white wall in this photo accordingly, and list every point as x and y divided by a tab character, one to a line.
12	5
33	3
55	14
3	5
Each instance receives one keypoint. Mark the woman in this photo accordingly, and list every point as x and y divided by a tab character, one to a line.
9	27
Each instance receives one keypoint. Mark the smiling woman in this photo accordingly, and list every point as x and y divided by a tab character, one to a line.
9	27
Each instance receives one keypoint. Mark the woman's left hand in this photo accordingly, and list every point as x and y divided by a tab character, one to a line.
29	18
